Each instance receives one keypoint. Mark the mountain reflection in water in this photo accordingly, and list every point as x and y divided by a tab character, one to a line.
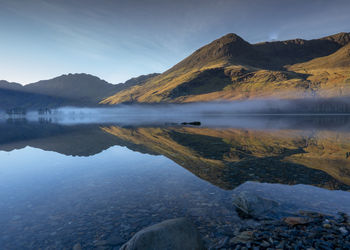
96	183
225	157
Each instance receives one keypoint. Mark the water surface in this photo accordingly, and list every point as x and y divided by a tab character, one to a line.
97	184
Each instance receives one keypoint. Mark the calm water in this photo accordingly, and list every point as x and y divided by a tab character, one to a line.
97	184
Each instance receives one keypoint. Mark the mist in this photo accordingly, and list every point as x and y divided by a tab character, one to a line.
178	113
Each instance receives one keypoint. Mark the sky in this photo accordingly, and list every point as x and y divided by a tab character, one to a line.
119	39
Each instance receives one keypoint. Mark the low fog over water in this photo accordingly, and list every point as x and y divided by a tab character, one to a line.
244	113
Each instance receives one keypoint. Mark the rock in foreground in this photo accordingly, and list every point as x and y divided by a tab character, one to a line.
175	234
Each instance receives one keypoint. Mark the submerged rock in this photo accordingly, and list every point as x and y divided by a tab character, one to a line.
292	221
175	234
243	237
250	205
77	247
343	231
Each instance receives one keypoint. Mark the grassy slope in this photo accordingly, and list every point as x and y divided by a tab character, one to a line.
230	68
330	75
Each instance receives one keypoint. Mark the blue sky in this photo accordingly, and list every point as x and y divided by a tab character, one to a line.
119	39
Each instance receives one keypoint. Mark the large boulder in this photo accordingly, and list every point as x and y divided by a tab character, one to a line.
250	205
175	234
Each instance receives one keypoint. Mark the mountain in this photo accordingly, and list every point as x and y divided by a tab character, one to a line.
230	68
9	85
17	98
339	59
298	50
71	89
136	81
79	88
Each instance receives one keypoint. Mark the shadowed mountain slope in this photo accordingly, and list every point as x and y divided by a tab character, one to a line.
17	98
9	85
339	59
299	50
82	88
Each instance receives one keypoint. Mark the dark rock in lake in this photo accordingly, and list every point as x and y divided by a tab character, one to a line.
249	205
294	198
196	123
174	234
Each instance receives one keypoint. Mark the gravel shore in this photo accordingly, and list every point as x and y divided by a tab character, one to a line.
305	231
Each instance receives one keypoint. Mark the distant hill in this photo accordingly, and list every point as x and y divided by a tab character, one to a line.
9	85
13	98
71	89
230	68
80	88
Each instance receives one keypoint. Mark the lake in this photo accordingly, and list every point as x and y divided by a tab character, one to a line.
97	183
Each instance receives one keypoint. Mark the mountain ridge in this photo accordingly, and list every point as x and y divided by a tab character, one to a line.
9	85
78	89
229	68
